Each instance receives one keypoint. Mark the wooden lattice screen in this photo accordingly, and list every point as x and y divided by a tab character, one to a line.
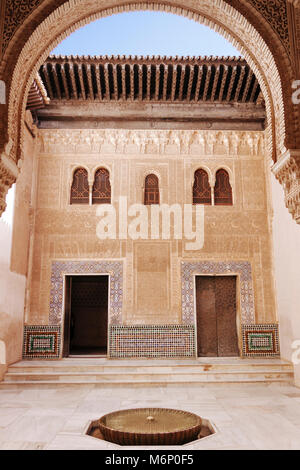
201	188
223	190
80	187
101	188
151	190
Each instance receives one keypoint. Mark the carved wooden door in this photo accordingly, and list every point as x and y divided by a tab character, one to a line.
216	316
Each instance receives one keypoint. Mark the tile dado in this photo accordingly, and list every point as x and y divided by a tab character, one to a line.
42	342
260	340
153	341
241	268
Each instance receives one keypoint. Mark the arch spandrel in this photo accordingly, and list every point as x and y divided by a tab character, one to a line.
217	14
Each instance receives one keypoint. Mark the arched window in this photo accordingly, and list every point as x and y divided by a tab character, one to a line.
151	190
223	190
201	188
101	188
80	187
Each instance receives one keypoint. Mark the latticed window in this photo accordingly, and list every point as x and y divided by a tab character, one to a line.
101	188
201	188
151	190
223	190
80	187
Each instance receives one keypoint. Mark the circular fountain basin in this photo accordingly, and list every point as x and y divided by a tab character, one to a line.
149	426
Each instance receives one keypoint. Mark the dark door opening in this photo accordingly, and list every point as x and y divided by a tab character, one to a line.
216	316
86	315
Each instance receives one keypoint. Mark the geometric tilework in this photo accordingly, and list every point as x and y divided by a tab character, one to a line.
260	340
242	268
41	342
152	341
112	268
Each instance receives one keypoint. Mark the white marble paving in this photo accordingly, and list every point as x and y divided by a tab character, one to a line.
247	416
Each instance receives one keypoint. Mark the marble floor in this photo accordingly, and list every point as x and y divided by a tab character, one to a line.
246	416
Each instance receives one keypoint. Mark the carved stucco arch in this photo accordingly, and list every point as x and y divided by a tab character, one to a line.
197	167
98	167
229	171
231	176
216	14
72	171
151	171
111	176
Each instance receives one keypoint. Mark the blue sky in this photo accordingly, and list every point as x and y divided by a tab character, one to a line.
145	33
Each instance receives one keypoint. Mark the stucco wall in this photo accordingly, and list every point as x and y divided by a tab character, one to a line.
14	244
287	274
152	282
12	289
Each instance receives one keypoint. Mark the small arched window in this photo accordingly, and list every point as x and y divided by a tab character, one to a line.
151	190
201	188
223	190
80	187
101	188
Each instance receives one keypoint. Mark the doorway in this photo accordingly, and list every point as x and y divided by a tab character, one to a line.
86	315
216	307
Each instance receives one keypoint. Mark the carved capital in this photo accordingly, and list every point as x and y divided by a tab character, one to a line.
287	171
8	175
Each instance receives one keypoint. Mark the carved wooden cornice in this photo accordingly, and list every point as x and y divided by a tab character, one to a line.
158	79
37	96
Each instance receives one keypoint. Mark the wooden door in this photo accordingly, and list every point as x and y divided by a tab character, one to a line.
216	316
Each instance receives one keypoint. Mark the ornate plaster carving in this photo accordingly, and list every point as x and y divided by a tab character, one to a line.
287	171
8	174
15	14
275	12
182	142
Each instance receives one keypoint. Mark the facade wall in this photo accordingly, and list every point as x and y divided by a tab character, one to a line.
287	273
14	261
152	284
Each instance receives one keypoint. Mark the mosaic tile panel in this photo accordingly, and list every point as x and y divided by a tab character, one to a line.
41	342
152	341
260	340
113	268
242	268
